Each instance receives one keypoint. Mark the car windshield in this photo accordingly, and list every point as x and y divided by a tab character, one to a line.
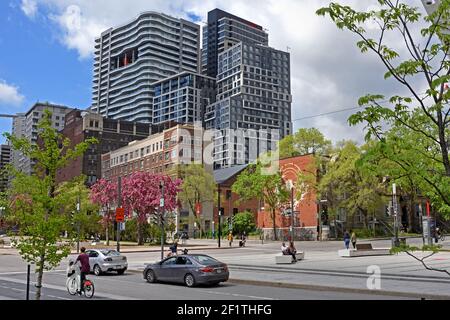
205	260
110	252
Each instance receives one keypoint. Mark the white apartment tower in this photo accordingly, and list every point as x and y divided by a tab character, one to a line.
131	57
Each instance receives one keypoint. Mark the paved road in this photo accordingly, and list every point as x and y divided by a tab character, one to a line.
321	267
132	286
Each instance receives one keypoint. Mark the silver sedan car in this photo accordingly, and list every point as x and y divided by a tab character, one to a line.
106	260
190	269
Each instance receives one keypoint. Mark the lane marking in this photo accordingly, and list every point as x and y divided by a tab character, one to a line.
237	295
63	288
56	297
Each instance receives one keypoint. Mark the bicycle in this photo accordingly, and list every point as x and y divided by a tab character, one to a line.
72	282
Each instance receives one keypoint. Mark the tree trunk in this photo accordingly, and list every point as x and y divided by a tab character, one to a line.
39	277
411	215
443	144
140	233
107	234
274	225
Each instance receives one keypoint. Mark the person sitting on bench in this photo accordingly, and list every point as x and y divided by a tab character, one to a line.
292	251
284	249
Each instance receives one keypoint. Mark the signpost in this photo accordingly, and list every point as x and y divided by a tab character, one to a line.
396	241
161	205
120	212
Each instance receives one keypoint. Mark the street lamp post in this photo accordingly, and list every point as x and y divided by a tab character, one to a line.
290	185
161	204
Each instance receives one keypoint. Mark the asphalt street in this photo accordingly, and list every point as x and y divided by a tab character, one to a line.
132	286
254	275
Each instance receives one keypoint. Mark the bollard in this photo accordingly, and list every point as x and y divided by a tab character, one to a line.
28	282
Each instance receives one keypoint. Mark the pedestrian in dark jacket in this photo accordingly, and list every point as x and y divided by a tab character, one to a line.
346	239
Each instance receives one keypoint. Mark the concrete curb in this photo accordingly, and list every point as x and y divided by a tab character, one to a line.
166	248
339	289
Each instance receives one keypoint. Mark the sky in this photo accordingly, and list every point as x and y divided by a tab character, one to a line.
46	49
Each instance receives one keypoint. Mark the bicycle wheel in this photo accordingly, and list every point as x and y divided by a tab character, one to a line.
71	285
89	289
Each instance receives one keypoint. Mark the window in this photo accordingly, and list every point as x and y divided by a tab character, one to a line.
169	261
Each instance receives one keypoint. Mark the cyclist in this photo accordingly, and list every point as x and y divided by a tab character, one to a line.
85	268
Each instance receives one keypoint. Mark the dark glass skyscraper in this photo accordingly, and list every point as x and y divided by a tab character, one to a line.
223	31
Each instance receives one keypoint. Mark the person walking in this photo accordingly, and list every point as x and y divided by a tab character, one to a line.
353	239
346	239
230	238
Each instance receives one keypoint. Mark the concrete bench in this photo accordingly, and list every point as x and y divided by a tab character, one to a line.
364	246
287	259
364	249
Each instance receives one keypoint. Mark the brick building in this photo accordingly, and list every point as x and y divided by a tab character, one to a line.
111	135
225	178
158	153
305	211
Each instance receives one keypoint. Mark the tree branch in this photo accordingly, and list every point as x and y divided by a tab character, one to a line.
427	267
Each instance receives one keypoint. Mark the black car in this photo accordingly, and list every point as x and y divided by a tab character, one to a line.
190	269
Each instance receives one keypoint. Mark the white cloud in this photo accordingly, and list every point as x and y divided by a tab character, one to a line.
29	7
9	94
328	70
78	32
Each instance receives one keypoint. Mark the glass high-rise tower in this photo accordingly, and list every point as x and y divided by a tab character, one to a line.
223	31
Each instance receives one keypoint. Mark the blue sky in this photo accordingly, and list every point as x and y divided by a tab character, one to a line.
33	60
46	53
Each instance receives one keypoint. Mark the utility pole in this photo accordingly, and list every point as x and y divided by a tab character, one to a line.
78	224
220	214
119	205
161	205
394	204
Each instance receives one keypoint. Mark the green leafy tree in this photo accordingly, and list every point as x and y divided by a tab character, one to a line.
36	206
86	220
347	185
426	114
244	222
252	183
198	187
304	141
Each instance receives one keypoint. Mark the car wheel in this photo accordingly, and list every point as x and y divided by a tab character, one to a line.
189	280
120	272
97	270
150	276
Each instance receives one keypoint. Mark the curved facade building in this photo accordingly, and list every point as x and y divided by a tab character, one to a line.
131	57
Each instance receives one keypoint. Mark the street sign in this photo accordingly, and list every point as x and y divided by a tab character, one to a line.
120	214
198	208
161	202
122	226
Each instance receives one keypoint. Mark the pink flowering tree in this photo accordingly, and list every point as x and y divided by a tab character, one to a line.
104	194
141	194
